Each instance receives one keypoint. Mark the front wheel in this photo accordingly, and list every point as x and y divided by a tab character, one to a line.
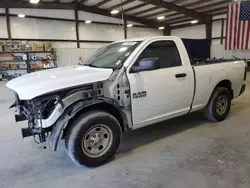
93	138
219	104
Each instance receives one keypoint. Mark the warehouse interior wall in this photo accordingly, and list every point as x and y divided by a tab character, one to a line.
63	33
95	35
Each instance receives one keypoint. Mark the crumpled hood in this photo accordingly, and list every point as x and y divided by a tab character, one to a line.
39	83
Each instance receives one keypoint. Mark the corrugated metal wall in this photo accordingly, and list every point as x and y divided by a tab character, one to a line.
69	57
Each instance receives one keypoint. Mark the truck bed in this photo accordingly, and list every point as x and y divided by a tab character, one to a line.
206	78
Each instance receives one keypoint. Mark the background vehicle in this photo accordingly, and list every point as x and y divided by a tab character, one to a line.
124	86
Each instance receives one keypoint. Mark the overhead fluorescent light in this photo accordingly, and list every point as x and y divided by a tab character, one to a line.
21	15
115	11
34	1
160	17
130	25
161	28
88	21
194	21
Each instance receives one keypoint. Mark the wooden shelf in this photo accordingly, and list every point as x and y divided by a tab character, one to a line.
13	69
12	61
42	60
28	52
42	68
27	60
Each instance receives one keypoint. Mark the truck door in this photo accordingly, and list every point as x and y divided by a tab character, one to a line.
163	93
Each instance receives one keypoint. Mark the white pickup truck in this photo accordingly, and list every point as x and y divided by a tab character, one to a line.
123	86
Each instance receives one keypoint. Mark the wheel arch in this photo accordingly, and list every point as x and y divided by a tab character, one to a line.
63	123
223	83
227	84
105	106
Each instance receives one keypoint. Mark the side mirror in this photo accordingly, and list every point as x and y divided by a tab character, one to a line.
146	64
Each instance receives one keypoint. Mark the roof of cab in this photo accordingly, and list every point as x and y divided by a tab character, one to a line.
146	38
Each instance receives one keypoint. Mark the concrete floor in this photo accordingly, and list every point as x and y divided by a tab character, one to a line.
186	152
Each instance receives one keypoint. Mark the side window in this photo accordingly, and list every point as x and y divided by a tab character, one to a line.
166	51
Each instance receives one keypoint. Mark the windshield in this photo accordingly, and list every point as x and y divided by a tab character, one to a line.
112	56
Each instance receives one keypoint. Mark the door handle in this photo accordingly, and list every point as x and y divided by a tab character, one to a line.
180	75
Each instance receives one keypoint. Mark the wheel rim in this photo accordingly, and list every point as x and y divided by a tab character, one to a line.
97	141
221	104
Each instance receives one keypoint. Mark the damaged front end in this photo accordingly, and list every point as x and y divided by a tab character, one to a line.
36	111
44	113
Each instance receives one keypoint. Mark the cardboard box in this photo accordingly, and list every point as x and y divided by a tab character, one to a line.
6	55
47	46
40	49
37	46
34	66
13	66
33	46
6	58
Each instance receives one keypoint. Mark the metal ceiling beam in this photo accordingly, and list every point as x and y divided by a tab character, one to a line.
101	3
145	11
104	12
157	14
184	19
186	25
154	8
208	12
135	7
177	1
179	20
180	9
121	4
216	10
72	6
219	13
82	1
190	5
41	5
225	2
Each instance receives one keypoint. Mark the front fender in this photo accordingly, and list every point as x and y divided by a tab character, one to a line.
63	120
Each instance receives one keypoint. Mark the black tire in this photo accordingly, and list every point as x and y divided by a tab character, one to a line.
211	112
78	130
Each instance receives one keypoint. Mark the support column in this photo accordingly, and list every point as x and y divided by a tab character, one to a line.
167	31
209	32
8	23
125	28
222	31
77	28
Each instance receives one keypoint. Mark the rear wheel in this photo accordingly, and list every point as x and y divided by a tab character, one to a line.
219	104
93	138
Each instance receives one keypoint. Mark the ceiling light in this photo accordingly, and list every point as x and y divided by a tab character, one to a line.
34	1
88	21
114	12
160	17
161	28
194	21
21	15
130	25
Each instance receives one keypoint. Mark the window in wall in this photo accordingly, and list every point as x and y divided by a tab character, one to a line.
166	51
